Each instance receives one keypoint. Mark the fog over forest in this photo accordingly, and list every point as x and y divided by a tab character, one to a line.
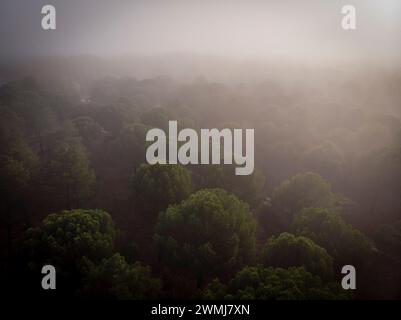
77	192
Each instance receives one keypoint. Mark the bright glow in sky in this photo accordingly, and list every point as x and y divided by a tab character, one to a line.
243	28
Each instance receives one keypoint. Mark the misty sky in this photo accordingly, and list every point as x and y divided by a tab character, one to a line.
239	28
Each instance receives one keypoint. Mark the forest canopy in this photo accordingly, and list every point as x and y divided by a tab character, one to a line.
77	192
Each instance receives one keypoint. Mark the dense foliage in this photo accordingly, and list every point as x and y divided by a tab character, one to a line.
325	227
76	191
114	278
211	233
274	284
70	235
157	186
287	250
301	191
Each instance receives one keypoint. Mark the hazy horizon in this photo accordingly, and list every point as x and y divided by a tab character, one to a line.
249	30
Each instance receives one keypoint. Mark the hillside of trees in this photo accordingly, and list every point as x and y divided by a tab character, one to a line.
76	191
